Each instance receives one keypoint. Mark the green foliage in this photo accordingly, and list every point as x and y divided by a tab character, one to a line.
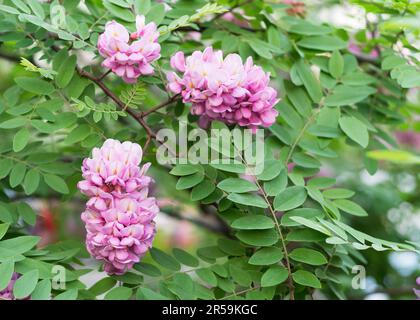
284	231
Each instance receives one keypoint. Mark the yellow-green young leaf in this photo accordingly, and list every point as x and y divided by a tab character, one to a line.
25	284
7	267
237	185
290	198
309	81
336	64
253	222
57	183
119	293
396	156
35	85
350	207
308	256
66	71
20	140
306	278
355	130
17	174
266	256
274	276
31	182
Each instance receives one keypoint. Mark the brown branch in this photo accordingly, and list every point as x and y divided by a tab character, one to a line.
160	106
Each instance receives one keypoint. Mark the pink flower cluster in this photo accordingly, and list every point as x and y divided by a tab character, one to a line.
7	293
125	59
119	214
224	89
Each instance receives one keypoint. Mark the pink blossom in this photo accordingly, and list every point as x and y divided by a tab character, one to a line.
129	56
7	293
229	16
409	138
224	89
119	214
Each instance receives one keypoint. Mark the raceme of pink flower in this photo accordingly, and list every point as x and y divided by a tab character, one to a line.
224	89
119	214
7	293
129	56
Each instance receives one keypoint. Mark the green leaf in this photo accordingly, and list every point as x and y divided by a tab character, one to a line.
189	181
37	8
27	213
306	161
253	222
240	276
20	140
322	43
3	229
202	190
13	123
343	95
355	130
309	81
274	276
35	85
66	71
350	207
119	293
266	256
336	64
8	9
272	169
306	278
234	168
31	182
156	14
290	198
308	256
70	294
25	284
185	258
301	212
184	169
77	134
237	185
277	185
338	193
20	244
42	290
6	272
258	238
231	247
5	167
150	294
148	269
305	235
252	200
17	174
207	276
56	183
164	259
122	13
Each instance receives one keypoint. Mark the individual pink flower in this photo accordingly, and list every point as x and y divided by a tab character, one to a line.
224	89
409	138
129	56
229	16
119	214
